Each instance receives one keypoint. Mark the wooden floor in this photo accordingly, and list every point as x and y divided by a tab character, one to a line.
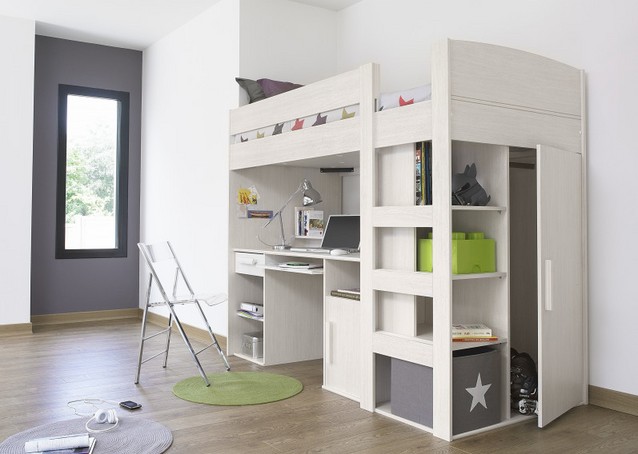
40	373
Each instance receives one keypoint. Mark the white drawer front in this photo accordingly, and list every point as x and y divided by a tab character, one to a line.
252	264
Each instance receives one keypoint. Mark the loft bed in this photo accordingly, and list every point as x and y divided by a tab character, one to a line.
487	87
483	96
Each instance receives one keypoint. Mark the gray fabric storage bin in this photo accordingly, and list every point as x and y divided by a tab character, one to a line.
476	401
411	391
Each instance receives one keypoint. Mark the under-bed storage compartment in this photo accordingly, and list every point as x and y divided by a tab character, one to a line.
404	390
476	389
411	391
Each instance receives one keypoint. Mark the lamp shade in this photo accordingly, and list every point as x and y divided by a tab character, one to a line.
310	195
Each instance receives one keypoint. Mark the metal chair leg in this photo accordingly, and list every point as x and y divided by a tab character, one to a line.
143	330
168	338
212	335
190	347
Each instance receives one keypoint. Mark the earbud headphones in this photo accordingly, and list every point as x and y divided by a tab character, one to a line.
101	417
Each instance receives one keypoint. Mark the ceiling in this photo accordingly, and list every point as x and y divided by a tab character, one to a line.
133	24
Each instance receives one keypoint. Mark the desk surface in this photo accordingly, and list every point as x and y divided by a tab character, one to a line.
353	257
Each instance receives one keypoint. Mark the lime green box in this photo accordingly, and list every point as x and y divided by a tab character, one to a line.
471	253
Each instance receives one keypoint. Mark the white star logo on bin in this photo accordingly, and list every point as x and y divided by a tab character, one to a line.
478	393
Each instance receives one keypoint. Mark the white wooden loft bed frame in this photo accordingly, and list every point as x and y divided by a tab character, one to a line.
482	94
494	94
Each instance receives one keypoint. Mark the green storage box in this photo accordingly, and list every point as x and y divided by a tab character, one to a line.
471	253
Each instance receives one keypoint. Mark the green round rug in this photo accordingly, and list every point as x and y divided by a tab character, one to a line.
238	388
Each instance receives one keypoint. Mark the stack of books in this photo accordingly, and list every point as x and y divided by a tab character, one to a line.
350	293
69	444
423	167
472	333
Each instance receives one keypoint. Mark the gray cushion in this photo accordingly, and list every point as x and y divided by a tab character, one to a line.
255	93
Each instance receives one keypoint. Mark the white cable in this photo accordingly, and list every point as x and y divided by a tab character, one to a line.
91	401
101	417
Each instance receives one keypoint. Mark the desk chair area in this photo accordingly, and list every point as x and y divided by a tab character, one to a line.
301	321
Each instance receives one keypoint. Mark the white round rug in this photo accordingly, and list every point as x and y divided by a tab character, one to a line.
132	435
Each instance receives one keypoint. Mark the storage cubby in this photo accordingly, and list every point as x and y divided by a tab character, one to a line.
404	390
397	313
393	161
492	163
524	263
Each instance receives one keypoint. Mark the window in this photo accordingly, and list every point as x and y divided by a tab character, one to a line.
92	189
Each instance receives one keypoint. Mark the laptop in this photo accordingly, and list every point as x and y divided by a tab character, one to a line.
341	232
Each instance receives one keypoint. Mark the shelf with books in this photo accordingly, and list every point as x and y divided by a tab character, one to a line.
423	173
482	343
353	294
309	223
461	330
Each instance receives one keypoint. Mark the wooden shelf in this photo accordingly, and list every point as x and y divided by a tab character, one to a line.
475	208
259	320
462	277
385	409
259	361
294	270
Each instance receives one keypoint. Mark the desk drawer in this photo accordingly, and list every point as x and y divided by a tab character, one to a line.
253	264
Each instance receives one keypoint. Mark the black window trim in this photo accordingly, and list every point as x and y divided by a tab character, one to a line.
122	157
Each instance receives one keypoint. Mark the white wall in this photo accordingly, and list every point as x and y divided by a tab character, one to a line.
599	37
17	47
287	41
188	88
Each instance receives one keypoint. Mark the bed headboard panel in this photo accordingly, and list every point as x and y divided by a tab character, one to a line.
328	94
486	73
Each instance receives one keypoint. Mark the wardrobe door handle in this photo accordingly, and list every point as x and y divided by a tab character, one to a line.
330	342
548	285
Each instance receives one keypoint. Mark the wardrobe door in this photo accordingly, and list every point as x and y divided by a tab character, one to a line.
560	288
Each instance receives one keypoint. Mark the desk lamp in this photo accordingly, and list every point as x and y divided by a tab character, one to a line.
310	197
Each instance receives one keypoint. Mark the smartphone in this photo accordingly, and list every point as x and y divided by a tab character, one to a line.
130	405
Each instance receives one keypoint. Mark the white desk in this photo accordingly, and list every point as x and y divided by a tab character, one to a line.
302	321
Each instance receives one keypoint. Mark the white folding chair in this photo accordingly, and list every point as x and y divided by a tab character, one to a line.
164	268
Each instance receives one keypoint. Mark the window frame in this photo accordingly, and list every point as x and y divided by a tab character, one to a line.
122	164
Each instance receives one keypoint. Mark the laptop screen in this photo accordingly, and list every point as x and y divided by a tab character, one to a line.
342	232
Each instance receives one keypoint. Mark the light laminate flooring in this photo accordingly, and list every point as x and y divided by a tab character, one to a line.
40	373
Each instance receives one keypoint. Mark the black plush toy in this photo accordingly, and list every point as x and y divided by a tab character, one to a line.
466	190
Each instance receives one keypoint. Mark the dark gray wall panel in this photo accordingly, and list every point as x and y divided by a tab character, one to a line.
72	285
